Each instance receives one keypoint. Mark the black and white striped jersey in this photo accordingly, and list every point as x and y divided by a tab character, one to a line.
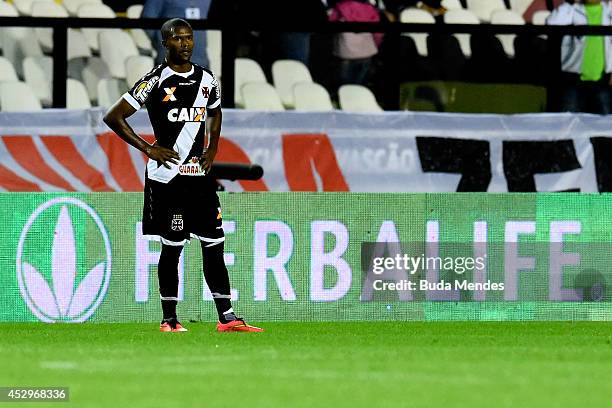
176	103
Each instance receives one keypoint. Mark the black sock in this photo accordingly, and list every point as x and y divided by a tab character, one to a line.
167	273
217	278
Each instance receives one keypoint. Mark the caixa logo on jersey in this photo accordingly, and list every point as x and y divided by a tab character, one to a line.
63	261
187	115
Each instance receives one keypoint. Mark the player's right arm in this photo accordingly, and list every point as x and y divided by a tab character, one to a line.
116	117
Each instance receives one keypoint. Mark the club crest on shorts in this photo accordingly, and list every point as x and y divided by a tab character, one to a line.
177	222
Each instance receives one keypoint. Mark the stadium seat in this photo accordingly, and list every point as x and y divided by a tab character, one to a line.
47	9
77	45
76	95
18	44
140	37
462	17
110	90
134	11
95	70
16	96
507	17
246	70
452	4
539	17
520	6
38	74
24	7
73	5
285	74
136	67
357	98
213	50
6	10
261	96
483	8
114	56
311	97
94	10
7	72
414	15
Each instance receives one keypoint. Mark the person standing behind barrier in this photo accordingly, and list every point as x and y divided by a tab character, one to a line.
355	50
188	9
586	61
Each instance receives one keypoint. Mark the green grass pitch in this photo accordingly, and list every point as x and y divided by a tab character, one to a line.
363	364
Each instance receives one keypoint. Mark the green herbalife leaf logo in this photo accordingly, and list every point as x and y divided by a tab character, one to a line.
63	261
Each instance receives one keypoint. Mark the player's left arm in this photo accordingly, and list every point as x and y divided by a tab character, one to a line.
213	130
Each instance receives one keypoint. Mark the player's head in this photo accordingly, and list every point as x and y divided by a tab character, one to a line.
177	37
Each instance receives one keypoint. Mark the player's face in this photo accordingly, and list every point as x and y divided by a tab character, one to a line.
179	45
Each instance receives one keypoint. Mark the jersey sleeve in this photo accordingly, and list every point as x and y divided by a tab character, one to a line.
138	95
214	101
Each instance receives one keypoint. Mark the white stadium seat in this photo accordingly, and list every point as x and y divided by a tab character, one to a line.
357	98
451	4
134	11
113	55
110	90
7	72
24	7
17	96
136	67
47	9
94	71
38	74
76	95
6	10
285	74
18	44
77	45
462	17
484	8
520	6
94	10
539	17
140	37
311	97
213	50
507	17
73	5
261	96
414	15
246	70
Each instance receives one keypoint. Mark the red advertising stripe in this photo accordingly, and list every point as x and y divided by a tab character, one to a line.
66	153
299	151
12	182
24	151
120	162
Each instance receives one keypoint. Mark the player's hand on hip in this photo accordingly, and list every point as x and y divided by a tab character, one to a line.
207	158
162	155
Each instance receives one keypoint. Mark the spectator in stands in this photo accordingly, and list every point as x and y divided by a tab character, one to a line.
586	61
355	50
188	9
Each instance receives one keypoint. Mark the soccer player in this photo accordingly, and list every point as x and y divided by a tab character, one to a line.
180	199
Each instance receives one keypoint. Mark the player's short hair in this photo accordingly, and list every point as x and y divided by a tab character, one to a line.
168	26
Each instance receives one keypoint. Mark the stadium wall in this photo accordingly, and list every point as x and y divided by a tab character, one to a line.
79	257
331	151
